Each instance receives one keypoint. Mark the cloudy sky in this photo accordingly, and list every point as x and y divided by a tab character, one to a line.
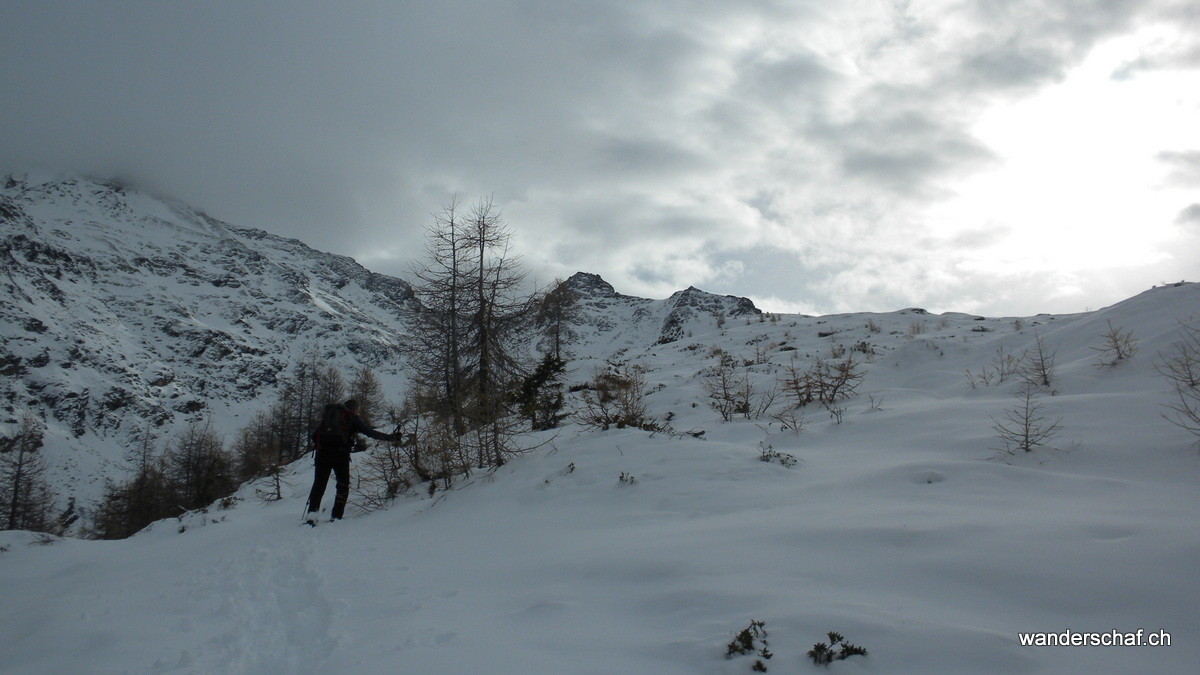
992	156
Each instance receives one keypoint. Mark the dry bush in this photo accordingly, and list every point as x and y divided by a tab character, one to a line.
728	389
985	378
1003	366
1117	345
790	418
762	351
824	382
1024	428
615	397
866	349
835	411
428	451
1181	368
1037	366
382	476
1006	364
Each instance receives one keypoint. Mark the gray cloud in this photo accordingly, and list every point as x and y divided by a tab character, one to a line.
903	148
1184	166
1028	43
1182	51
645	157
654	142
1189	217
1180	57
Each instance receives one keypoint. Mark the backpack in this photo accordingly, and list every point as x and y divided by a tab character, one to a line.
333	434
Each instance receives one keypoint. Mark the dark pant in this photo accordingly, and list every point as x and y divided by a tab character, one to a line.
340	466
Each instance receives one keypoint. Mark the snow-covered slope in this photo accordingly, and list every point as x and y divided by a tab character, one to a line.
621	551
119	310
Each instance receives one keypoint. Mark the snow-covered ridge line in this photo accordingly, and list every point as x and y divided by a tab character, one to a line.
616	319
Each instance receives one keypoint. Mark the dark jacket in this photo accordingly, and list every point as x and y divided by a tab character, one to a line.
358	426
350	424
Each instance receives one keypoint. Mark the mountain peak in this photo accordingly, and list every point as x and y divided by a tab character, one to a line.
587	284
731	305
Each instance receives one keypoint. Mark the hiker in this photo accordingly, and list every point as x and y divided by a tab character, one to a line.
334	441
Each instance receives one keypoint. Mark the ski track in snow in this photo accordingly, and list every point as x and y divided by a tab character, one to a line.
273	600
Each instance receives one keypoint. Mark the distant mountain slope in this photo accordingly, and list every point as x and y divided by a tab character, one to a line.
120	310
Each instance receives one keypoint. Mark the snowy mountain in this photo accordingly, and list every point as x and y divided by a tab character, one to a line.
120	310
896	517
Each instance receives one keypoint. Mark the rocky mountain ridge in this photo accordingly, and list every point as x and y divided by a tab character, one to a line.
121	311
604	315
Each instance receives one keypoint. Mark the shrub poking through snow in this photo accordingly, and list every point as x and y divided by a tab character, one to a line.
1003	366
823	382
751	640
1038	365
767	453
729	390
838	649
616	398
1118	345
865	348
1023	427
1181	367
836	412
